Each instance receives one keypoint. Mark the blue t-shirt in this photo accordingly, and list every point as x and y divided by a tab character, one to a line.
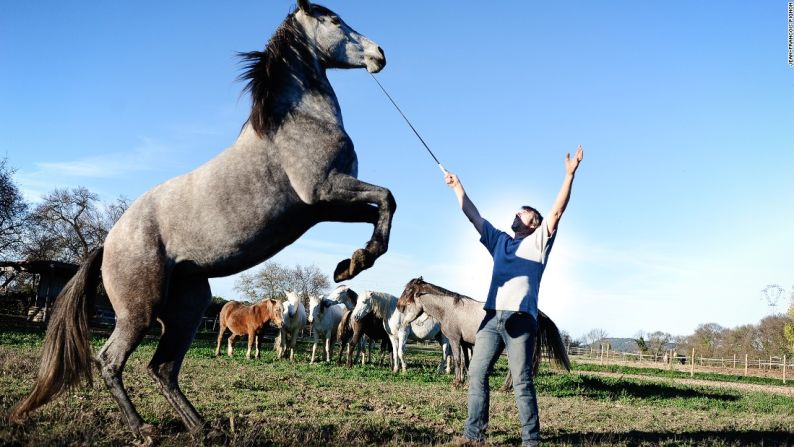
518	265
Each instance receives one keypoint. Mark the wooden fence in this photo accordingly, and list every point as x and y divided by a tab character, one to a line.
740	364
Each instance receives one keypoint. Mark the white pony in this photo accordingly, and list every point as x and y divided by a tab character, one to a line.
294	319
324	315
384	306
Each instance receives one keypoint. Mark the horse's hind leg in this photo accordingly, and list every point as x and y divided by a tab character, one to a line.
113	356
230	341
220	338
135	290
181	315
250	344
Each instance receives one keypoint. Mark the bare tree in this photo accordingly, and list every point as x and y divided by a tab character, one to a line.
771	335
68	224
594	336
273	279
13	210
269	282
309	280
708	339
657	342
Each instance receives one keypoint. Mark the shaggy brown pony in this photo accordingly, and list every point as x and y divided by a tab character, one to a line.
247	320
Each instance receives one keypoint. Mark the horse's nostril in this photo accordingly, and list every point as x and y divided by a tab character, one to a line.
382	54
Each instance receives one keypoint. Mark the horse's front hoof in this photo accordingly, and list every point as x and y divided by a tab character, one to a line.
147	434
216	437
342	271
349	268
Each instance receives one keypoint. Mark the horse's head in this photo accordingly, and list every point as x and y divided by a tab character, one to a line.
337	44
285	311
316	308
274	309
289	307
407	303
363	306
344	295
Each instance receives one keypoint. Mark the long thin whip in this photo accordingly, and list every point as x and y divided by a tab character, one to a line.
409	123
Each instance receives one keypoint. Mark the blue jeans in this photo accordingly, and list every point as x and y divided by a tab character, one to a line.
515	331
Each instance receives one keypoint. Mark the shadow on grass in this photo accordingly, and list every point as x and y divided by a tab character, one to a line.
327	434
694	438
619	388
611	388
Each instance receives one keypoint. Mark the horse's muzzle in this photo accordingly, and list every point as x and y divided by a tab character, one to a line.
375	62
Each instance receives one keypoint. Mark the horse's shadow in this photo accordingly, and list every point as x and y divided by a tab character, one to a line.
597	387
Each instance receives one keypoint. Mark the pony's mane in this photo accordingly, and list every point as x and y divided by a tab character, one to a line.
419	286
267	73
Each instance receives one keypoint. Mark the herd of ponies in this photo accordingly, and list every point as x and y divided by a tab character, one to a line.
424	312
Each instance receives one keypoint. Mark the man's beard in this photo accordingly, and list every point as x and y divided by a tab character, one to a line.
518	226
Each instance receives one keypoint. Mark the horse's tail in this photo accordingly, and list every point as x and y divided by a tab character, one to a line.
344	324
67	357
550	339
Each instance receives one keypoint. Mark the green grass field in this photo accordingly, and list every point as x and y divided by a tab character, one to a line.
272	402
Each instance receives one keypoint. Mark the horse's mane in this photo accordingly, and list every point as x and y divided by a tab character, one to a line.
419	286
382	301
267	72
342	288
259	308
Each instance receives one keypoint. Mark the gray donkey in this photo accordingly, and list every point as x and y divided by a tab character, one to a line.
292	166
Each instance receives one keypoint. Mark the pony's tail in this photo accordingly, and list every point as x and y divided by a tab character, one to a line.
343	325
550	339
66	359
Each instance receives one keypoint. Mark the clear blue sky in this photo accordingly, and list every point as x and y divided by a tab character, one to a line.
681	212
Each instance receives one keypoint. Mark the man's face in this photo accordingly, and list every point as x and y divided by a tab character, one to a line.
521	223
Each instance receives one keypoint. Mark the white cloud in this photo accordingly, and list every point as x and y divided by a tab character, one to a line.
149	155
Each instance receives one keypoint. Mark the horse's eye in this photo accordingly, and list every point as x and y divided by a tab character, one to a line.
335	20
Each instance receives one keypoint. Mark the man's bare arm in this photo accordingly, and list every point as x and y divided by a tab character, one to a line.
465	203
571	164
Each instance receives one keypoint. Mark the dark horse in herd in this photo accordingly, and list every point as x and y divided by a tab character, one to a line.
292	166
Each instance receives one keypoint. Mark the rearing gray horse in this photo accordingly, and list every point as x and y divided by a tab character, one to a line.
292	166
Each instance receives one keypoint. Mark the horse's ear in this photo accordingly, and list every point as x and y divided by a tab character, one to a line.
305	6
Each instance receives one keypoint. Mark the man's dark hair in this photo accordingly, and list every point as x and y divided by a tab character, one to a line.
537	218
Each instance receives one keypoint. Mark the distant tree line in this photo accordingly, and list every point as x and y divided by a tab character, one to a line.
773	336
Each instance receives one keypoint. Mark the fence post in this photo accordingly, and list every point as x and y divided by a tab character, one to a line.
784	369
734	361
745	364
671	359
692	364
